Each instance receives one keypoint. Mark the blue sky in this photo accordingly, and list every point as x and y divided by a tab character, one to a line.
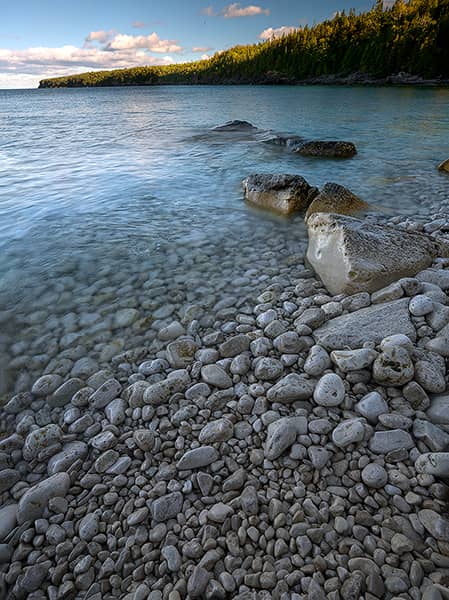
45	38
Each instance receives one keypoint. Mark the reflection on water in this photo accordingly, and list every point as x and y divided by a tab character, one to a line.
126	187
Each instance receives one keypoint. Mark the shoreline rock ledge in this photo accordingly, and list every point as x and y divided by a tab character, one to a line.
351	255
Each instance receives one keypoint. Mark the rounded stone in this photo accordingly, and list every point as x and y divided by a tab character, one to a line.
420	305
330	390
374	476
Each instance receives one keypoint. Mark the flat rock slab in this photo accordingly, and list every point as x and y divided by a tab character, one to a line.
371	324
284	194
351	255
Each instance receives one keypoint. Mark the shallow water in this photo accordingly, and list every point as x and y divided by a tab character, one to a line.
120	198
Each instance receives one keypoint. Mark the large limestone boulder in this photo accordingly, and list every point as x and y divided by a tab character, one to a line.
371	324
283	194
353	256
335	198
444	166
326	149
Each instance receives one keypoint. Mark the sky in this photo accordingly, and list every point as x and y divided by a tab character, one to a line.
50	38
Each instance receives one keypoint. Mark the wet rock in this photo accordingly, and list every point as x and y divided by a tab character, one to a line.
327	149
444	166
181	352
283	194
63	460
337	199
235	125
369	257
46	385
39	439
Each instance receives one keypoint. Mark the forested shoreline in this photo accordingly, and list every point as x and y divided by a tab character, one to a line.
369	47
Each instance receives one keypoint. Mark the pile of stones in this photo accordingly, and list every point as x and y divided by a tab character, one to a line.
296	448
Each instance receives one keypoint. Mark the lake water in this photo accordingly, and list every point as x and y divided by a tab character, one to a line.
119	198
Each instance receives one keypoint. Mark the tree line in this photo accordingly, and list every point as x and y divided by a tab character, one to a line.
411	37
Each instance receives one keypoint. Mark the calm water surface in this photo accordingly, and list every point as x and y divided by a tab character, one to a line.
107	180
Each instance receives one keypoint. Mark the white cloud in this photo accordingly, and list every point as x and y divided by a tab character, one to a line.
204	56
24	68
270	33
99	36
151	42
235	10
201	49
139	24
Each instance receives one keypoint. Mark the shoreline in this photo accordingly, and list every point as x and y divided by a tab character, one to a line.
241	458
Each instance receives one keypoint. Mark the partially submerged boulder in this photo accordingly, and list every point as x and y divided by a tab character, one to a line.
235	125
444	166
335	198
283	194
353	256
327	149
291	142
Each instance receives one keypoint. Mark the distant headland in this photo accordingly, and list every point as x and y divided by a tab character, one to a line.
405	44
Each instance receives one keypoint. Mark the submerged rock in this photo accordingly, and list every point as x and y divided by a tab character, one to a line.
235	125
353	256
335	198
444	166
291	142
327	149
283	194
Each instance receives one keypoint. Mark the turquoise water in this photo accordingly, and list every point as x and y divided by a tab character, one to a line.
106	180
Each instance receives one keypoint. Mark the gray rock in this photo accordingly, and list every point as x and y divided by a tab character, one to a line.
371	324
216	376
108	391
46	385
434	437
63	460
327	149
220	430
234	346
348	432
435	524
65	392
18	403
353	360
8	520
393	367
319	457
289	343
167	507
160	392
330	390
197	457
173	558
439	277
374	476
144	439
34	501
369	256
88	527
39	439
284	194
438	412
420	305
267	368
289	389
383	442
433	463
430	378
371	407
317	361
282	434
8	477
181	352
197	583
219	512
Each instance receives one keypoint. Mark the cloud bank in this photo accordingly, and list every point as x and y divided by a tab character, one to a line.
235	10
